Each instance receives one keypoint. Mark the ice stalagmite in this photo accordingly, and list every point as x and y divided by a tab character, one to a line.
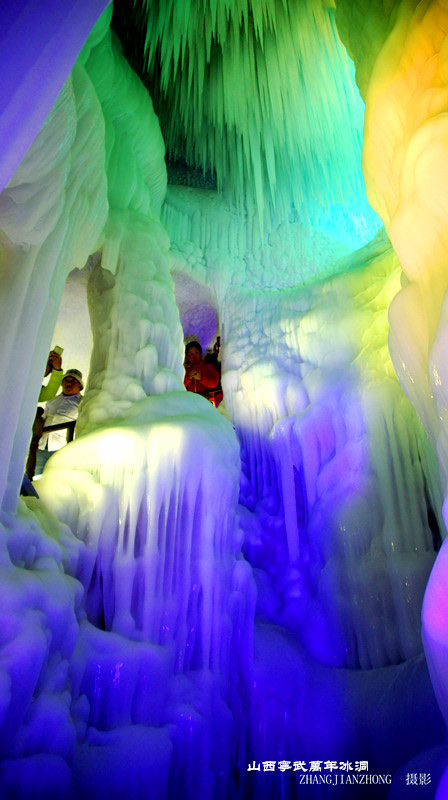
155	540
160	566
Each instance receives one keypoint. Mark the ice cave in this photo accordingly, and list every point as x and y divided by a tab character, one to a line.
250	600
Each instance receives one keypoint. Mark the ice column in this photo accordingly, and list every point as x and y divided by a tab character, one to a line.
137	348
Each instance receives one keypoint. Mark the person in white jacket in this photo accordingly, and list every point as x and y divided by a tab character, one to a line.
63	408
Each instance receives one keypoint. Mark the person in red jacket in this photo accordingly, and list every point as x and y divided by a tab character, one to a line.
200	377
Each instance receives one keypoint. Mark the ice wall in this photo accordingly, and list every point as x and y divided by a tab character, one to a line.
338	487
405	92
405	167
52	214
337	476
31	48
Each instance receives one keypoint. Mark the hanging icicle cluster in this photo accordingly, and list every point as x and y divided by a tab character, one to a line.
260	92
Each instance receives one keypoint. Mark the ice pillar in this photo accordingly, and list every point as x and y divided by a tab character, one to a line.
404	81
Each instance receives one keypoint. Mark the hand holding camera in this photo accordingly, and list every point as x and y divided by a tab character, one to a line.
54	360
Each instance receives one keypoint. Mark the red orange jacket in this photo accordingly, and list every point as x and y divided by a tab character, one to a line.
209	377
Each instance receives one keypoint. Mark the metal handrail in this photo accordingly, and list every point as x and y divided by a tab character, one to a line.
60	426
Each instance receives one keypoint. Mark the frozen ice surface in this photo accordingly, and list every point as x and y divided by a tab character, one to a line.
327	715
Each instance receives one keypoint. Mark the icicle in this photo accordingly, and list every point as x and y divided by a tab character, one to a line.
262	72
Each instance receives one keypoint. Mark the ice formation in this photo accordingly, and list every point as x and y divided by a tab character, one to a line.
196	591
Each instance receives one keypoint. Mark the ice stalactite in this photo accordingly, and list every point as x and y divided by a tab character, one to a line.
232	79
233	247
141	544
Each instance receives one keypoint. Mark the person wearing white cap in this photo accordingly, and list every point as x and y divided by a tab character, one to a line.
63	408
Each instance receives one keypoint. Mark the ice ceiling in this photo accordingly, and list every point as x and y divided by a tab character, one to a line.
195	591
